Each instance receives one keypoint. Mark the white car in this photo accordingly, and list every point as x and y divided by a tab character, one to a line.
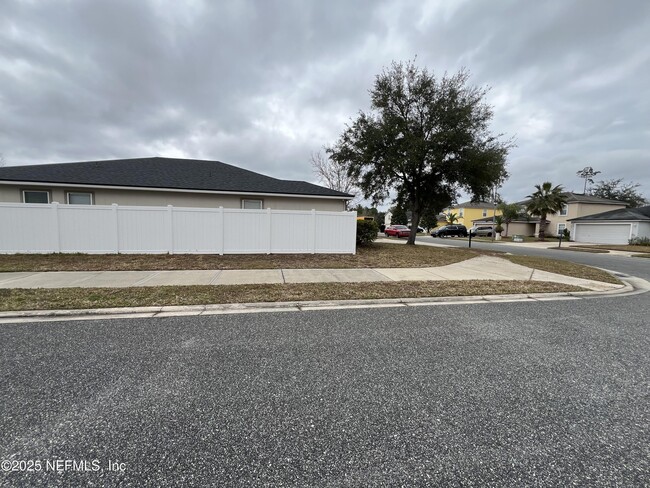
481	230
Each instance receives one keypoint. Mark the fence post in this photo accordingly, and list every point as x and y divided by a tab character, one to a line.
57	231
221	226
312	232
170	228
353	217
269	230
117	228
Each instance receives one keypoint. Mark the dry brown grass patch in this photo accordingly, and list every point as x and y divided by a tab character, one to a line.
614	247
375	256
565	268
88	298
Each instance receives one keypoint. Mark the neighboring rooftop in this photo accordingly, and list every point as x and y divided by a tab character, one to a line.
158	172
473	205
582	198
641	213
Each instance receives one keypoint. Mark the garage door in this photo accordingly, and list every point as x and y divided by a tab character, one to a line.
602	233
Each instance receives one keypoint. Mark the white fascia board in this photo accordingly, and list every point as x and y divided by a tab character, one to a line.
595	222
178	190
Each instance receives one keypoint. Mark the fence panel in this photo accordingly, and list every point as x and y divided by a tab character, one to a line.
143	229
43	228
334	234
291	232
88	228
28	229
245	231
197	230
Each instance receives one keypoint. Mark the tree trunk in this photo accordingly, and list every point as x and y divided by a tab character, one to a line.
542	228
415	221
507	227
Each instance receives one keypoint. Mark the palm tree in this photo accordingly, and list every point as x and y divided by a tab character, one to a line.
546	200
452	218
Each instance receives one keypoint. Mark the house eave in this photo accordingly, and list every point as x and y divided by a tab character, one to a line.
178	190
603	221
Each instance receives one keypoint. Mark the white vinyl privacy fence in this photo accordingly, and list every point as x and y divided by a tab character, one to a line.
46	228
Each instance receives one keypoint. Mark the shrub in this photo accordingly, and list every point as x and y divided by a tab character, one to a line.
498	220
366	232
640	241
566	233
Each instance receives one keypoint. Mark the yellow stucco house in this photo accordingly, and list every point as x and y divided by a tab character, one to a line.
469	211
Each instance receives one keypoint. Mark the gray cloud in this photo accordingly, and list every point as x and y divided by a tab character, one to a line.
263	84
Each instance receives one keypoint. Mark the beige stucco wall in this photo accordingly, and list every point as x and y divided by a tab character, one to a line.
520	228
9	193
575	210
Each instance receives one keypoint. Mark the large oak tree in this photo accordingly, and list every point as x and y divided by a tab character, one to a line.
425	139
616	189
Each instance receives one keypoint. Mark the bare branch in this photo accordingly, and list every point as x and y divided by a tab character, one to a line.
334	175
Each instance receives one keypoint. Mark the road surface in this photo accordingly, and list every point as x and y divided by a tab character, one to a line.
510	394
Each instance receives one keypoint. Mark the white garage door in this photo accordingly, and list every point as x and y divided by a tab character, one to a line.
602	233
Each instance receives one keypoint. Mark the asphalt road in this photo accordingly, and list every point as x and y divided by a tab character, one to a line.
511	394
632	266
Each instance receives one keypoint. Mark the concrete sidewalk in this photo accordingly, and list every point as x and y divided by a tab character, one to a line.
479	268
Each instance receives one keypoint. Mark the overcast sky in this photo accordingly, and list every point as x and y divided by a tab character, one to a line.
263	84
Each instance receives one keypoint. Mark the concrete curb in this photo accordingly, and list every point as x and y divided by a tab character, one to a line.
632	286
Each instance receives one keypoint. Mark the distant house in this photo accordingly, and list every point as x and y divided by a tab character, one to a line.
612	227
578	205
467	212
388	218
521	226
161	181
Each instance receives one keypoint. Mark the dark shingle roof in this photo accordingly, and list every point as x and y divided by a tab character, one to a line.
581	198
641	213
157	172
473	205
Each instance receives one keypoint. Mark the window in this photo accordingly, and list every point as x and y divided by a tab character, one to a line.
485	212
36	196
565	210
560	229
80	198
252	204
461	212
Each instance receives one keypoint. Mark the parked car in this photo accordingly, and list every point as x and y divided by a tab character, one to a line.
481	230
397	231
450	230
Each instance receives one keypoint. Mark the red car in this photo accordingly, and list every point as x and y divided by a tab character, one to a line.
397	231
